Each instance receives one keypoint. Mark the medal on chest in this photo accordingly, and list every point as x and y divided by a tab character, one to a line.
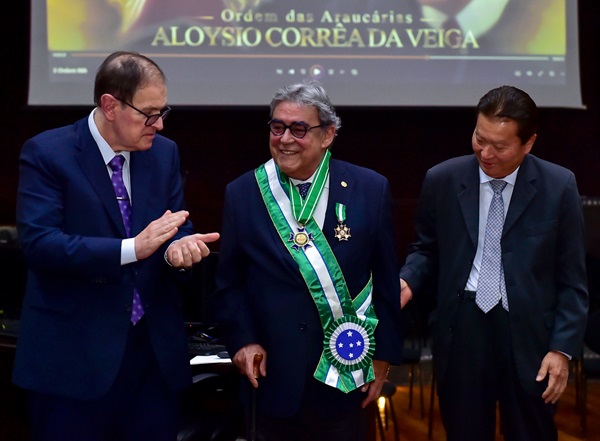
301	238
342	231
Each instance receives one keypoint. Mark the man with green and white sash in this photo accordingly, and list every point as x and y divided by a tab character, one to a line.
307	281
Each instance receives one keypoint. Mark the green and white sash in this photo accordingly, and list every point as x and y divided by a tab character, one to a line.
348	325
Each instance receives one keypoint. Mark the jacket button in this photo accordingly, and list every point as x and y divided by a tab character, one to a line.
303	326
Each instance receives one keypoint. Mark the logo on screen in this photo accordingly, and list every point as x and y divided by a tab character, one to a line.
317	71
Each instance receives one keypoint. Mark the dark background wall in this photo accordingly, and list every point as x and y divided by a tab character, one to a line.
218	144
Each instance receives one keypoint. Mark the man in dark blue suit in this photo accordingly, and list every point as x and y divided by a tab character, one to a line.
306	281
513	347
93	370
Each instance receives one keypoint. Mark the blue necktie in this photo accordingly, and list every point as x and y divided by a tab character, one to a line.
490	286
116	165
303	189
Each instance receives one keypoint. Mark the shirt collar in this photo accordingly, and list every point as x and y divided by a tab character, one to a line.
105	150
510	179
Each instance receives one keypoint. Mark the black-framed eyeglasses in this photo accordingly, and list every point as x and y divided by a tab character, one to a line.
297	129
150	119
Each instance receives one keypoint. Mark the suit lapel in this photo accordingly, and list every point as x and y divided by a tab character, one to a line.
468	199
523	194
141	176
94	169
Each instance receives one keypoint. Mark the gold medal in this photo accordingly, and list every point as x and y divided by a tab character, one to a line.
342	232
301	238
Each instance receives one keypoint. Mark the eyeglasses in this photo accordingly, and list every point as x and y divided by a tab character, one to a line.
150	119
297	129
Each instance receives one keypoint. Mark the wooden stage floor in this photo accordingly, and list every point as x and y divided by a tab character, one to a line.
415	427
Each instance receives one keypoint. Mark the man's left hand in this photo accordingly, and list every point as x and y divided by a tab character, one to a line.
555	364
183	253
381	369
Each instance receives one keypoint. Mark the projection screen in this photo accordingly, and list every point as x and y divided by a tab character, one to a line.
366	53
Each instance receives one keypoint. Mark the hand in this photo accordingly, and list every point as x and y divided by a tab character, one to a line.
557	365
244	361
183	253
381	369
406	294
158	232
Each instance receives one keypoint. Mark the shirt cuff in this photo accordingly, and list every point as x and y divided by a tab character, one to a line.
128	251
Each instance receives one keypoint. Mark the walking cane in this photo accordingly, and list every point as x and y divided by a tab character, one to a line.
257	360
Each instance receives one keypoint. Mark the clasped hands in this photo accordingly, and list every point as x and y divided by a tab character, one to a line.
182	253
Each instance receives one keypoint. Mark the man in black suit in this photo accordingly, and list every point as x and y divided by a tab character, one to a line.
516	353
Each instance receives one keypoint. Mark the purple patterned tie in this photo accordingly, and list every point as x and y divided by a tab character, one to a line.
116	165
491	287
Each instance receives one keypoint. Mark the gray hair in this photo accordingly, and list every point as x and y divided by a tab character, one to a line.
308	93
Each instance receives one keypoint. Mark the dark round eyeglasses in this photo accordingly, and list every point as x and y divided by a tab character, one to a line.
297	129
150	119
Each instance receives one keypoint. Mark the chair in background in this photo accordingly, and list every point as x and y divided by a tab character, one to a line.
385	411
432	394
411	357
13	273
211	411
413	351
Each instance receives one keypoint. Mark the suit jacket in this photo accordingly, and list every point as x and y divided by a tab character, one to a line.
262	298
77	307
543	255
